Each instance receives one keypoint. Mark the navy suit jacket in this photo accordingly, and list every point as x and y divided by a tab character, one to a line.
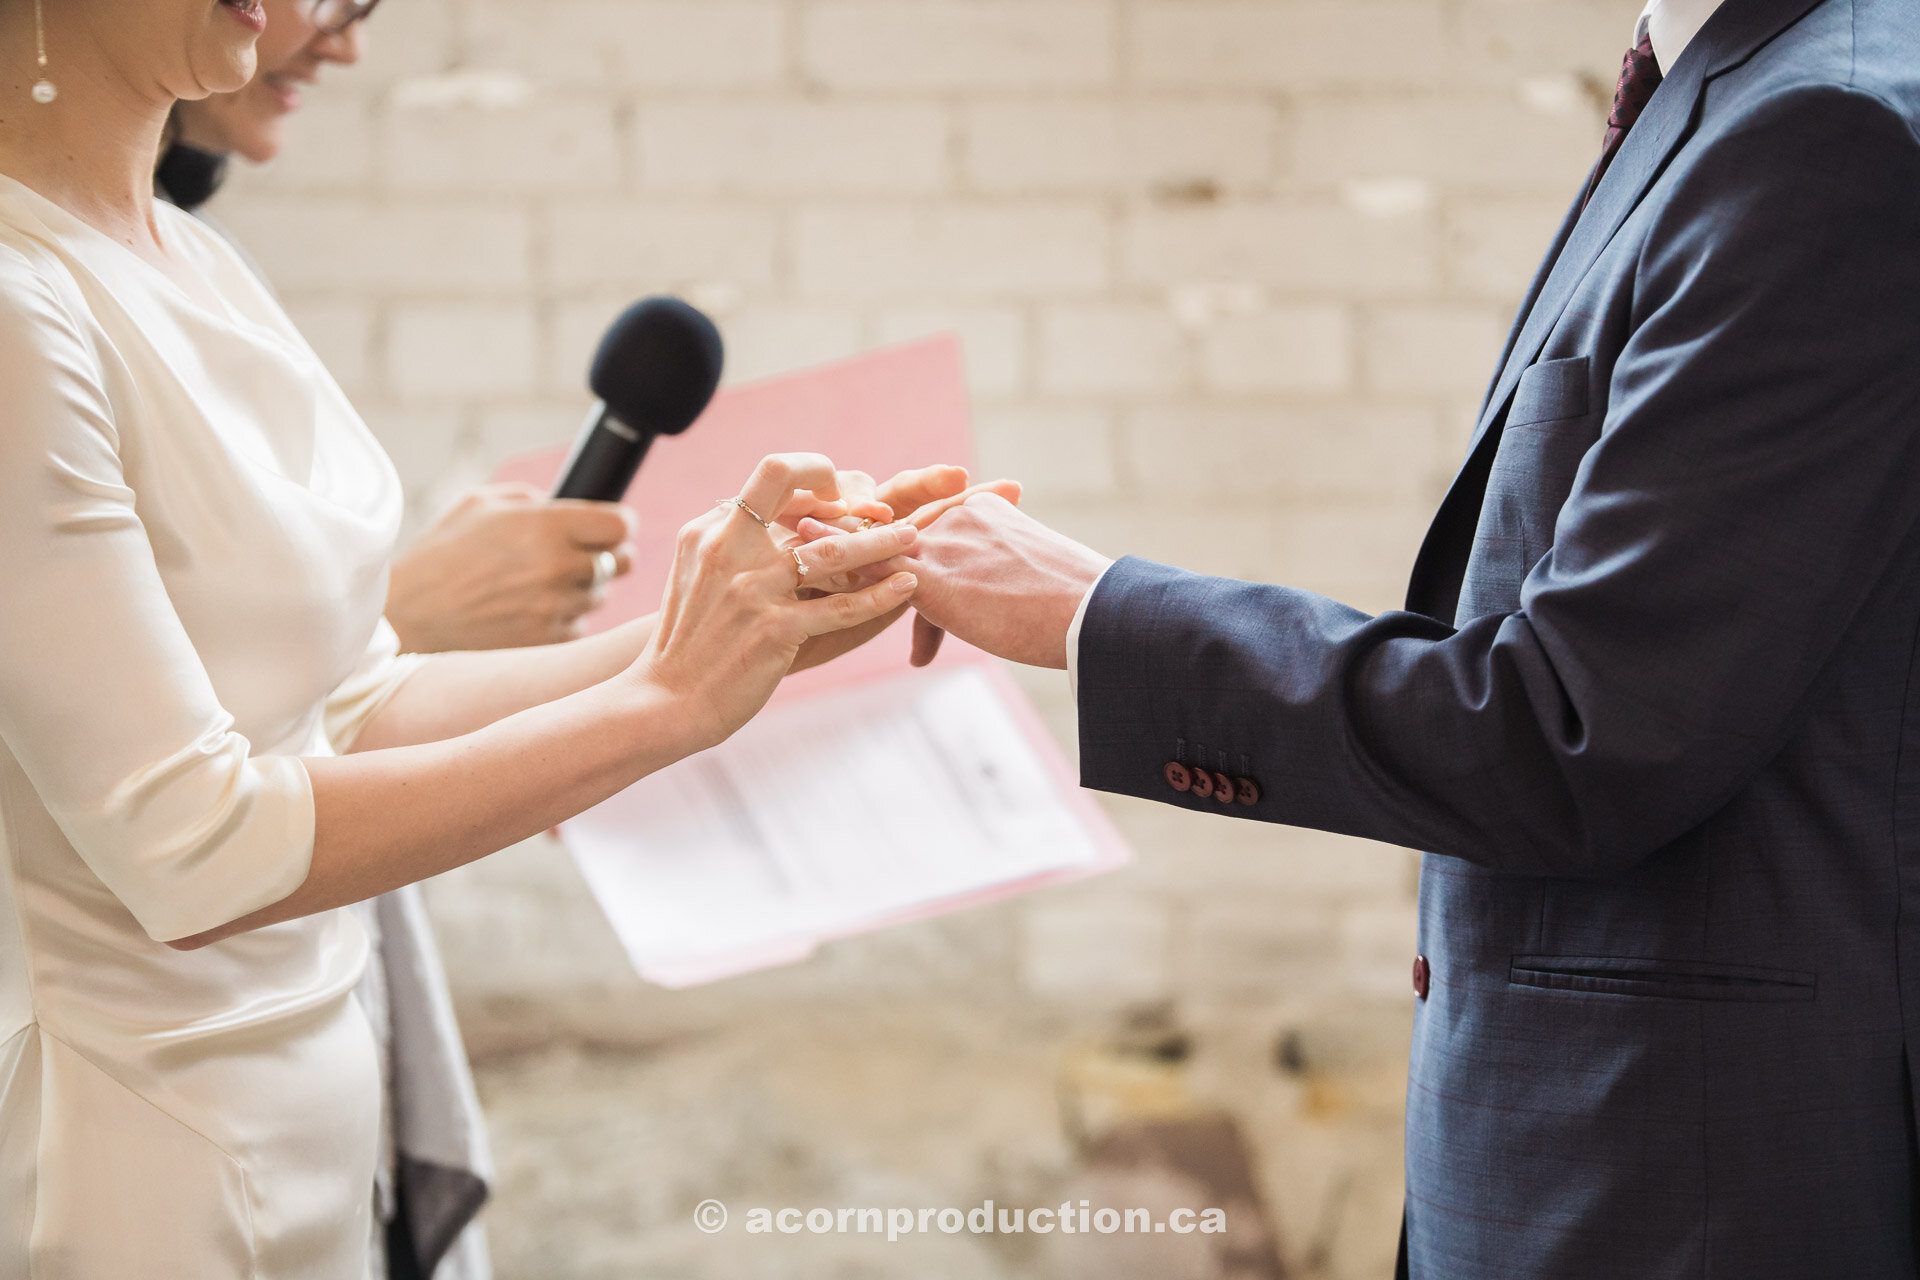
1652	704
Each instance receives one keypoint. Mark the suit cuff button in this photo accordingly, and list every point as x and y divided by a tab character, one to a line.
1246	791
1178	776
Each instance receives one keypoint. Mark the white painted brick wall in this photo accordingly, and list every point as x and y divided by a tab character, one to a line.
1026	250
385	250
1129	349
612	245
1290	45
1287	349
925	45
1433	347
1230	274
1055	451
447	350
1280	457
1469	142
1493	246
644	44
994	338
1045	144
775	146
1322	249
563	144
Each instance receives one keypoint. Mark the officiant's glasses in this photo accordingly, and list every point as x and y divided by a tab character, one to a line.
333	17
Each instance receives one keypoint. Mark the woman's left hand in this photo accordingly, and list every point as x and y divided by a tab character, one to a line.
733	622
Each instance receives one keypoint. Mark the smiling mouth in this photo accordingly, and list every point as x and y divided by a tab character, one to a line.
250	14
285	88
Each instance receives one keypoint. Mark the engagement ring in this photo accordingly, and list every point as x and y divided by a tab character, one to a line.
742	504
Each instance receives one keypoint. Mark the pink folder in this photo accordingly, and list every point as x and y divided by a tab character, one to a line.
881	413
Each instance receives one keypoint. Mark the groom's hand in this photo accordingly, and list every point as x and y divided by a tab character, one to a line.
910	491
1000	580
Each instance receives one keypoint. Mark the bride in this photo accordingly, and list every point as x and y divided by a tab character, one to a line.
208	742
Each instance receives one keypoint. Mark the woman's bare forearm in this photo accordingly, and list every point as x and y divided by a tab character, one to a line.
473	754
387	818
458	693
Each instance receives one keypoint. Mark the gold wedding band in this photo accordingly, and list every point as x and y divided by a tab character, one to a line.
742	504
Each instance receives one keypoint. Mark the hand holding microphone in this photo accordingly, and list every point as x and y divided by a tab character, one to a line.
507	567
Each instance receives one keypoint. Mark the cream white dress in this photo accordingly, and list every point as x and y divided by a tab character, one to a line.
194	533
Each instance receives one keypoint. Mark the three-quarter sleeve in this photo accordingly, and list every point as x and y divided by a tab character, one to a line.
381	671
103	700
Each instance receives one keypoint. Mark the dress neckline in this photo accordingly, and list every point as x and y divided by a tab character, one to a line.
60	221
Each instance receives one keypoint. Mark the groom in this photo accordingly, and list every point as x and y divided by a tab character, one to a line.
1651	704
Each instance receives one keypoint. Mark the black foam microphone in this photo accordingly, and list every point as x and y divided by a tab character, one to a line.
655	373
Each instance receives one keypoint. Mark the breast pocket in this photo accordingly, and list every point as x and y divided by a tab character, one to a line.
1549	428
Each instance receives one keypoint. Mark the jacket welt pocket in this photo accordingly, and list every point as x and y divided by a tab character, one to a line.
1551	391
1660	979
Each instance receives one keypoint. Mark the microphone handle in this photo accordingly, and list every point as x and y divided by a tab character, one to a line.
604	460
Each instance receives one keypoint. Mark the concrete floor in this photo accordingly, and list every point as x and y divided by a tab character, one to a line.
908	1068
605	1153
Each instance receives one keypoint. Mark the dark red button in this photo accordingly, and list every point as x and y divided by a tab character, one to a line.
1203	784
1246	791
1223	788
1177	776
1422	976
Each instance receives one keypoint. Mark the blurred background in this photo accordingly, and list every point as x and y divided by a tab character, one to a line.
1230	275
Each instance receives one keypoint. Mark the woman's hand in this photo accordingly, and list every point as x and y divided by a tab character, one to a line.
732	623
505	568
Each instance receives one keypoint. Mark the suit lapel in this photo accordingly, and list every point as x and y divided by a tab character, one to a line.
1527	304
1736	30
1443	552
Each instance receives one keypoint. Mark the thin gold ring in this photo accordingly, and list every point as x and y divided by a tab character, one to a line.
868	523
742	504
799	564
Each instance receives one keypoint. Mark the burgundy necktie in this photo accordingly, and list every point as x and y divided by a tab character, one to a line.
1639	77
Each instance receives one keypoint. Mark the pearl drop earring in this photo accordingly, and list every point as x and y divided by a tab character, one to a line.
43	90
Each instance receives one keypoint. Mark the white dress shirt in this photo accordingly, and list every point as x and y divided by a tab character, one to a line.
1673	24
194	531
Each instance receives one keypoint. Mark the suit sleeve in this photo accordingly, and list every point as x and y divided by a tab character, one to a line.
1756	481
104	702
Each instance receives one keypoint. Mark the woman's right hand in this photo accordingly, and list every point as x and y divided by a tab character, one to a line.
731	622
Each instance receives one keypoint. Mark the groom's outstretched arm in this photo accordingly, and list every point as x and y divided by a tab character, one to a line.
1755	492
